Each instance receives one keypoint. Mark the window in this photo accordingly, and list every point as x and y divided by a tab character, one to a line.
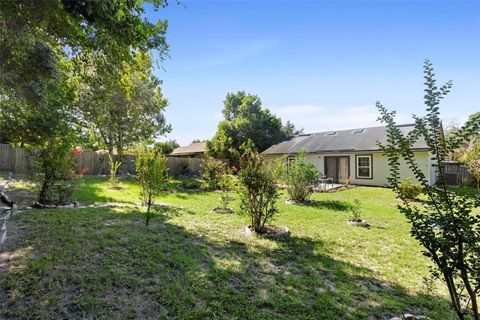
364	167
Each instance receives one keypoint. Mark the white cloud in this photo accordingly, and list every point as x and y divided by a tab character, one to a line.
318	118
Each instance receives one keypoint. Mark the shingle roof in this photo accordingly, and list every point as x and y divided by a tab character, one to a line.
363	139
197	147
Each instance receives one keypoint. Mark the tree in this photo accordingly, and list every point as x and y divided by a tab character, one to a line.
34	34
444	224
301	178
165	147
245	119
258	191
152	174
122	108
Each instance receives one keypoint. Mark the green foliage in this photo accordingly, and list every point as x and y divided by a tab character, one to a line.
34	34
301	178
244	119
55	170
165	147
258	191
445	224
212	172
227	185
121	107
471	158
152	174
114	166
356	211
407	190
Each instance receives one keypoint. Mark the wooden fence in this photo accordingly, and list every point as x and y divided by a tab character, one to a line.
457	174
19	160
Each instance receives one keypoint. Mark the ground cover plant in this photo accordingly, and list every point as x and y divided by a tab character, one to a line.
196	264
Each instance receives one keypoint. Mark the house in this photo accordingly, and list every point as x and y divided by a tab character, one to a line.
352	155
194	150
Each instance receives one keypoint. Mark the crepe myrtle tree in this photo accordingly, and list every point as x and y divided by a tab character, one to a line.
258	189
152	174
444	224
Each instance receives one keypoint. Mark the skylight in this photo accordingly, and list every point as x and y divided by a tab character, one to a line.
331	133
358	131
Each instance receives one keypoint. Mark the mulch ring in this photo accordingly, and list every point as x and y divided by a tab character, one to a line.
359	223
222	210
269	231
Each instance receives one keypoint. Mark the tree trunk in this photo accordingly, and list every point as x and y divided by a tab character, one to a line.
149	205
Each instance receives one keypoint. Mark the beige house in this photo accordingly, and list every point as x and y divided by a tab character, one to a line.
194	150
352	155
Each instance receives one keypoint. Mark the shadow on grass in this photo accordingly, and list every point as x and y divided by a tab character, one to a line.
102	263
335	205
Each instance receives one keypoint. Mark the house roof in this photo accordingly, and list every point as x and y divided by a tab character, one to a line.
361	139
197	147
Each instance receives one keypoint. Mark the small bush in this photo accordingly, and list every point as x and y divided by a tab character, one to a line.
258	191
408	190
55	170
356	211
301	178
212	171
191	184
152	174
184	168
114	166
227	185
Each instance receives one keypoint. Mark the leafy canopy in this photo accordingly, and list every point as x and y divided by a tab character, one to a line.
244	119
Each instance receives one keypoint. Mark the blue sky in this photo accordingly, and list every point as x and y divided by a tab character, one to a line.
319	64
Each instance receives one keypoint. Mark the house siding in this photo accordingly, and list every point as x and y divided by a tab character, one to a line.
380	167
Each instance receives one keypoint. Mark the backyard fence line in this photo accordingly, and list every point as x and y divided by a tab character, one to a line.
20	161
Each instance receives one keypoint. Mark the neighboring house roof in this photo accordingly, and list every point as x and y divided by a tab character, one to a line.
197	147
362	139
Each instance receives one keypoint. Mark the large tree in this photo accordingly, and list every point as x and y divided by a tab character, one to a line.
32	33
246	120
120	109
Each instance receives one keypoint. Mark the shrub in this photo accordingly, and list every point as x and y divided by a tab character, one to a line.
472	160
56	171
356	210
152	174
184	168
445	224
258	191
408	190
212	171
227	184
301	178
114	166
191	184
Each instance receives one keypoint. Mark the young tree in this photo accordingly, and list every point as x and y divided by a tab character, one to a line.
244	119
152	174
301	178
444	224
258	191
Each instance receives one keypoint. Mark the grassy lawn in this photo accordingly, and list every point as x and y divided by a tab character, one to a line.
192	263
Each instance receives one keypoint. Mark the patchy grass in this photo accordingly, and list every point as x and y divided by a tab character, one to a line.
192	263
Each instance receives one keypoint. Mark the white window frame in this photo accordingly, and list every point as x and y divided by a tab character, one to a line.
357	167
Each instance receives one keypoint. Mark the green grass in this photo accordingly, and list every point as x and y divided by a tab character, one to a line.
192	263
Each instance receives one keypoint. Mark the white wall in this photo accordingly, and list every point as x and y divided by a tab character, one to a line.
380	168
